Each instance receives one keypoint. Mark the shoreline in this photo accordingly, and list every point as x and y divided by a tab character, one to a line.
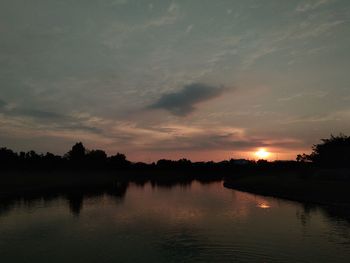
293	188
287	184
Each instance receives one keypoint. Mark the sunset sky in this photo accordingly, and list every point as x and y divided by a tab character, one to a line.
200	79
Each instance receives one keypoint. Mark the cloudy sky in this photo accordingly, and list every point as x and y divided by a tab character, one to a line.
200	79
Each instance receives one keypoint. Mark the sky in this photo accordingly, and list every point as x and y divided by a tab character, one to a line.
197	79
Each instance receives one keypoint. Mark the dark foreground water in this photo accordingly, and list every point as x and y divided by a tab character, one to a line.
182	223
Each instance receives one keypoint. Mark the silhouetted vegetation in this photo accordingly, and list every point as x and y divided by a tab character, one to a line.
80	158
331	153
324	176
304	179
74	193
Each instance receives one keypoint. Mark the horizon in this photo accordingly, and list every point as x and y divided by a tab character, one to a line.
202	80
252	156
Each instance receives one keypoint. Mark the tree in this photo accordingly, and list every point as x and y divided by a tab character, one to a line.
119	160
333	152
96	157
77	153
7	157
303	158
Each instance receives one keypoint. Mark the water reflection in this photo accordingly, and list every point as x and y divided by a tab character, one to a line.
264	205
74	195
117	190
172	222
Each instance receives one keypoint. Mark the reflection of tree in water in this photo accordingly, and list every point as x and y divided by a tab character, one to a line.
304	214
169	184
117	190
6	205
338	218
75	203
336	214
74	195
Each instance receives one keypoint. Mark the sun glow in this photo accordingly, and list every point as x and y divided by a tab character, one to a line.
262	154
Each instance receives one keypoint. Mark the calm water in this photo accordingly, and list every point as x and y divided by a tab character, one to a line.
182	223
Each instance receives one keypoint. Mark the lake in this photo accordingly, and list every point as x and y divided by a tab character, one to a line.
192	222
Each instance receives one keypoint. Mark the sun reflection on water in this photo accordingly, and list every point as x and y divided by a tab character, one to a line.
263	205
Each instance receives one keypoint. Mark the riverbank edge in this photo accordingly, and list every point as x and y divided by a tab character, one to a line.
314	191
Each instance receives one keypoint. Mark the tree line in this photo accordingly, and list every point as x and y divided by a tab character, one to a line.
77	158
80	158
333	152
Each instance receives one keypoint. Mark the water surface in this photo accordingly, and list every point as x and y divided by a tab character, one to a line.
180	223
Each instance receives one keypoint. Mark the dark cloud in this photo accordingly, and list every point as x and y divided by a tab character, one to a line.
183	102
39	114
2	104
32	113
54	120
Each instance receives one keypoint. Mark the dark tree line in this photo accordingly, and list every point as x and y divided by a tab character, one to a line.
333	152
77	158
80	158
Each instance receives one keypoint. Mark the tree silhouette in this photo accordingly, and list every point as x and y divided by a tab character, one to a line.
119	160
7	158
77	153
96	158
333	152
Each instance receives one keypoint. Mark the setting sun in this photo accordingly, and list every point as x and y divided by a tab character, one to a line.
262	153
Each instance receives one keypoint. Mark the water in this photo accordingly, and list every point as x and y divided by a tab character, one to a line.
181	223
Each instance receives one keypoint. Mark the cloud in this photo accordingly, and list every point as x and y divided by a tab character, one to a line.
119	2
212	141
310	5
173	8
183	102
331	117
47	119
316	94
38	114
80	127
189	29
2	104
168	18
175	137
18	111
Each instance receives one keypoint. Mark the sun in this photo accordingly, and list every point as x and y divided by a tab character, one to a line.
262	153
